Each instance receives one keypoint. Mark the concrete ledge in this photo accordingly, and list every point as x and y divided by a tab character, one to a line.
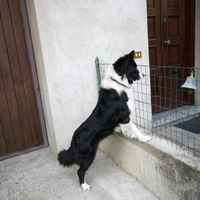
168	172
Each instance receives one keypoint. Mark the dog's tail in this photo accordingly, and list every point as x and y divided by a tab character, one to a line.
65	157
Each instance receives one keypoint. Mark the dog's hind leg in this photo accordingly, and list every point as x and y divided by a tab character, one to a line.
130	130
81	174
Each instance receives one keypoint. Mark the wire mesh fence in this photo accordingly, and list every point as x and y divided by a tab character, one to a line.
164	108
175	109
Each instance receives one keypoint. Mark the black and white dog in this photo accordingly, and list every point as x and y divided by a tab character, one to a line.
111	114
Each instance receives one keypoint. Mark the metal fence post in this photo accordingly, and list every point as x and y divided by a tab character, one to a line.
98	72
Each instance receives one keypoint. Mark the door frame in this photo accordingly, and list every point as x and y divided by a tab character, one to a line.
190	42
35	83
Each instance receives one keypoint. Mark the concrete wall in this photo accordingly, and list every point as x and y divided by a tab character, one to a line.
168	172
197	49
67	36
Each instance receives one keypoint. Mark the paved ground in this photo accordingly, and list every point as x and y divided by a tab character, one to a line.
38	175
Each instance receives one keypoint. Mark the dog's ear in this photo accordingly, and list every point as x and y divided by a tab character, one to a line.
132	53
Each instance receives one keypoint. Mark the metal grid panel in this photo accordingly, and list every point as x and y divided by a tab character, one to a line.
173	104
183	106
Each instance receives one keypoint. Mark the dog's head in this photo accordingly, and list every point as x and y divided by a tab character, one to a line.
127	68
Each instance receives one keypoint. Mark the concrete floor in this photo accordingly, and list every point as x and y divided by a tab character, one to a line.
37	175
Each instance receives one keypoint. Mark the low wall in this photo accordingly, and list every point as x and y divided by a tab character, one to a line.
169	173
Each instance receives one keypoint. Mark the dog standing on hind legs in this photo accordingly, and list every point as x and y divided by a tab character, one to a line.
112	113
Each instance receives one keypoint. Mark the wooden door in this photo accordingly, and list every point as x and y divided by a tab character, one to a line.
155	54
173	26
167	51
20	127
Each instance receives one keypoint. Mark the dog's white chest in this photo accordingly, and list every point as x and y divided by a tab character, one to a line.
120	85
130	102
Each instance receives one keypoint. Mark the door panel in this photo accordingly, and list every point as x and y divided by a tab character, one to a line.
11	75
20	127
173	47
155	53
173	15
153	9
174	55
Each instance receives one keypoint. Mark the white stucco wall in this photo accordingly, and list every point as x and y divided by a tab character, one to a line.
67	36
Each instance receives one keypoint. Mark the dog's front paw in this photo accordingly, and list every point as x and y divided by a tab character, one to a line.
85	186
144	138
117	129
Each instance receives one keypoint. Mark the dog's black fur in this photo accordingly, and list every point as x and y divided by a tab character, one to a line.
110	111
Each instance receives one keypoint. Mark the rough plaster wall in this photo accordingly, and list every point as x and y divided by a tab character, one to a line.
197	48
71	34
